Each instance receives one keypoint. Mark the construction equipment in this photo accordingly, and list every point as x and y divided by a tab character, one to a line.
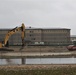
71	48
13	31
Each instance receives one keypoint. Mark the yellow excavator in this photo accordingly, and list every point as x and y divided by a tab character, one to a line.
13	31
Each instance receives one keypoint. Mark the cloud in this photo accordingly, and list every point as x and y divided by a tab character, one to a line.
38	13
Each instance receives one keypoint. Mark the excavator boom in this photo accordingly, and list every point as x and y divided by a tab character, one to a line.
13	31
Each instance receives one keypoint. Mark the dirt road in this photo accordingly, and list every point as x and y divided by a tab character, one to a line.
36	54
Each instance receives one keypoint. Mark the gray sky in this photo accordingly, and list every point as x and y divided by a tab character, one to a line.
38	13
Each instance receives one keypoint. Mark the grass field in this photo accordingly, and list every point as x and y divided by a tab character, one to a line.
43	71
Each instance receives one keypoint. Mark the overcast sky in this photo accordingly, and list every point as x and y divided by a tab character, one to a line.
38	13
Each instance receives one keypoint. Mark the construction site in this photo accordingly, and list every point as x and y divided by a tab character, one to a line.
38	40
36	50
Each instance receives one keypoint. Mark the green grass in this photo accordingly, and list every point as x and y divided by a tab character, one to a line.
52	71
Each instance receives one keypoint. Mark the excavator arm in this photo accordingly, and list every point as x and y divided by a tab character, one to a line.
13	31
23	34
